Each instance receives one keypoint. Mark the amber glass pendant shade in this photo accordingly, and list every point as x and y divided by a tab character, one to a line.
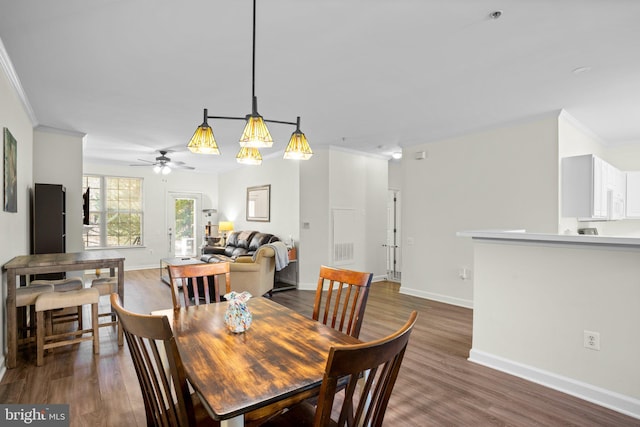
255	133
249	156
203	141
298	148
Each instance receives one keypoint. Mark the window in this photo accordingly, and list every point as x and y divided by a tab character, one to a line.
115	211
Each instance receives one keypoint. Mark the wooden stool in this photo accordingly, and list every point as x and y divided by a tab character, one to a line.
107	286
64	285
55	300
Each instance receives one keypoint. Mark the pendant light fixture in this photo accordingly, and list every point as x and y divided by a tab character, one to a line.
255	135
249	156
203	141
298	148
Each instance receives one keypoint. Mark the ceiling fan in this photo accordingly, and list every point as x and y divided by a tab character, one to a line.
164	164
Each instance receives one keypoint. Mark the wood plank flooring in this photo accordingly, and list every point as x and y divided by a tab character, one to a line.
437	386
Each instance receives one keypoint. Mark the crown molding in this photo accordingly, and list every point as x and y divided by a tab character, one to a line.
579	125
10	72
49	129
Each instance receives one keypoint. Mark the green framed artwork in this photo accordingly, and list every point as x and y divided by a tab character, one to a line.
10	172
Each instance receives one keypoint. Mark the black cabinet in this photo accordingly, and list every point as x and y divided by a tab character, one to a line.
48	224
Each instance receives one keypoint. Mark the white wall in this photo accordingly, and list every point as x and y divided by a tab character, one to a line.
14	227
57	159
156	188
500	178
314	217
395	174
302	196
282	175
339	179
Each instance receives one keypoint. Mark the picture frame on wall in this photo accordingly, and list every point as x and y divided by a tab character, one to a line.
10	172
259	203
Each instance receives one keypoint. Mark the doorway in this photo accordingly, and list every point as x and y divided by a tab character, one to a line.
184	224
394	264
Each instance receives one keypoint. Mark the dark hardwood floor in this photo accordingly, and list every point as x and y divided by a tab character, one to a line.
437	386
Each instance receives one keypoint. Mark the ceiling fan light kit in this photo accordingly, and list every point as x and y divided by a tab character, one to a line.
255	135
164	169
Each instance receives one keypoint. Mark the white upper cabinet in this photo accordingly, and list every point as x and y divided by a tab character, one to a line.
592	189
633	194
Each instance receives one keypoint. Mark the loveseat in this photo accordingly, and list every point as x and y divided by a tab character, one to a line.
251	258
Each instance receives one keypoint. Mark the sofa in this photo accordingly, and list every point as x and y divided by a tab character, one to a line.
251	258
239	243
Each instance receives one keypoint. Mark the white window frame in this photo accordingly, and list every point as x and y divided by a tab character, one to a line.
104	213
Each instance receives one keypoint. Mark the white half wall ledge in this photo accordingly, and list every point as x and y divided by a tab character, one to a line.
460	302
522	235
606	398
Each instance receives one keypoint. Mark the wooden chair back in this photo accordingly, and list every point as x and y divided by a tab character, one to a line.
167	400
372	369
341	298
183	275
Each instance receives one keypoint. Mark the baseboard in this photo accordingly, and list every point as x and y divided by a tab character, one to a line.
141	267
606	398
437	297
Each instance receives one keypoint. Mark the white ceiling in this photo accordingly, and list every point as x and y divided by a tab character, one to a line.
368	75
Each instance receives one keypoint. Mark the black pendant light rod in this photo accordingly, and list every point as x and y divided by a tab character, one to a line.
254	100
253	64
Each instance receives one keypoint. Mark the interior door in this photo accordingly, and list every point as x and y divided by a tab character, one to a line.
184	228
393	236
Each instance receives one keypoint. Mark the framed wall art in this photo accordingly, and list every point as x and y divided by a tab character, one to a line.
10	172
259	203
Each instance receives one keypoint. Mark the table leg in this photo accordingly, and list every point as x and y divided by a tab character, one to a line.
12	332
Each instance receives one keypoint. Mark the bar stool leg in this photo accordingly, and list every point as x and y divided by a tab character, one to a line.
95	322
40	328
80	322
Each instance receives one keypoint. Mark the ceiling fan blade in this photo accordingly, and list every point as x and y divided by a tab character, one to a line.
183	167
146	161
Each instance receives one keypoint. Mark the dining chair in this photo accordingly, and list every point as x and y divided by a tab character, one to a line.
371	370
341	298
191	276
161	374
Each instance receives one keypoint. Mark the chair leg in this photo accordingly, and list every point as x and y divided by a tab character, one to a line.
120	334
95	322
40	327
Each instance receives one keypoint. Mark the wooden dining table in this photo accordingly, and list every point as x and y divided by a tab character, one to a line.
279	360
21	267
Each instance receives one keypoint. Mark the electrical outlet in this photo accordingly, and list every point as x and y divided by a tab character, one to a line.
592	340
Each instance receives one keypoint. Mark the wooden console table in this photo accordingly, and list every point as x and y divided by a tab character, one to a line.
25	265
